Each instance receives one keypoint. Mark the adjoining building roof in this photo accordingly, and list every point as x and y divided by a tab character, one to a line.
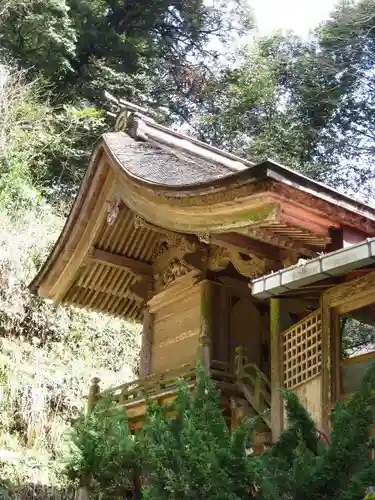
322	267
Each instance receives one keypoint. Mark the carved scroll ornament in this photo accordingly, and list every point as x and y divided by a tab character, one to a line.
250	267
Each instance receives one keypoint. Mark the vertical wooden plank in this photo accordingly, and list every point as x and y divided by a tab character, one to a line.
146	348
326	362
206	324
276	369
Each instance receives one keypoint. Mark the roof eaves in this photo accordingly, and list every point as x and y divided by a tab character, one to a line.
285	174
307	272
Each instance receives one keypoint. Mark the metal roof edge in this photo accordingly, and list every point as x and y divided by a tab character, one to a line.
324	266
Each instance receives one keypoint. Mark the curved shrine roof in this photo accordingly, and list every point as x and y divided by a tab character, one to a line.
178	185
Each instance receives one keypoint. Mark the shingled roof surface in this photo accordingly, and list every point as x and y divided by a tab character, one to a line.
160	164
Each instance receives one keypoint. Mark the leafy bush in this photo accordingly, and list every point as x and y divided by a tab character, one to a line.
102	451
193	455
48	353
186	451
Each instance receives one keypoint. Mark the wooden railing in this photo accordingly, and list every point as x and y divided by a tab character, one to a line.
247	379
352	370
153	386
254	384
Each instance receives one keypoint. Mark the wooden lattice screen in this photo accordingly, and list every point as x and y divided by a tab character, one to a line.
302	350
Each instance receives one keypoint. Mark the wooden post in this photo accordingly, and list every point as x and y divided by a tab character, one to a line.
82	492
277	406
94	392
206	314
146	349
327	323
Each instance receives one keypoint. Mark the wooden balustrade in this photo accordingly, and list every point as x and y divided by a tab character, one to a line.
247	380
153	386
255	385
367	357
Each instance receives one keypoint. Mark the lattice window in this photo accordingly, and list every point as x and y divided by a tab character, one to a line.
302	350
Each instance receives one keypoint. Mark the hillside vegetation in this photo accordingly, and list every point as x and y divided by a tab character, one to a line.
306	103
48	353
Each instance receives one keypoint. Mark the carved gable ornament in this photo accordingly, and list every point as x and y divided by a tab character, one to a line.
249	266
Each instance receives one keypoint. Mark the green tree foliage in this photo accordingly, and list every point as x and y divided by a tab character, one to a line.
84	45
306	103
193	455
186	451
357	337
299	464
102	451
47	353
153	52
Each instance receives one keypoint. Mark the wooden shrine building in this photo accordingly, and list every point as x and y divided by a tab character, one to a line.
169	231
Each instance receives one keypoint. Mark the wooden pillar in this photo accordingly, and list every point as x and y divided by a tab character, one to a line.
327	324
206	326
146	348
277	405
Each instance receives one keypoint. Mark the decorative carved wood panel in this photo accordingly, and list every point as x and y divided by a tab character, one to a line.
302	350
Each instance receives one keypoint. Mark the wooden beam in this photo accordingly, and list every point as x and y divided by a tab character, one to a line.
196	260
134	266
327	337
245	245
142	289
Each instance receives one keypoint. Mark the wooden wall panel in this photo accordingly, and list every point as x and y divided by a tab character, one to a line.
176	332
245	329
310	395
220	341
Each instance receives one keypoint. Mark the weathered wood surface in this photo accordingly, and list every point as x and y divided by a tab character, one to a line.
206	323
337	301
277	407
146	348
353	370
352	295
254	384
310	395
176	331
137	267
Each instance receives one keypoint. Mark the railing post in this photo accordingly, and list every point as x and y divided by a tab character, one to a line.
240	359
82	492
93	395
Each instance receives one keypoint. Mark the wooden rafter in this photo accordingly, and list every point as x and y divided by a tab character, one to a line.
280	241
134	266
243	244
